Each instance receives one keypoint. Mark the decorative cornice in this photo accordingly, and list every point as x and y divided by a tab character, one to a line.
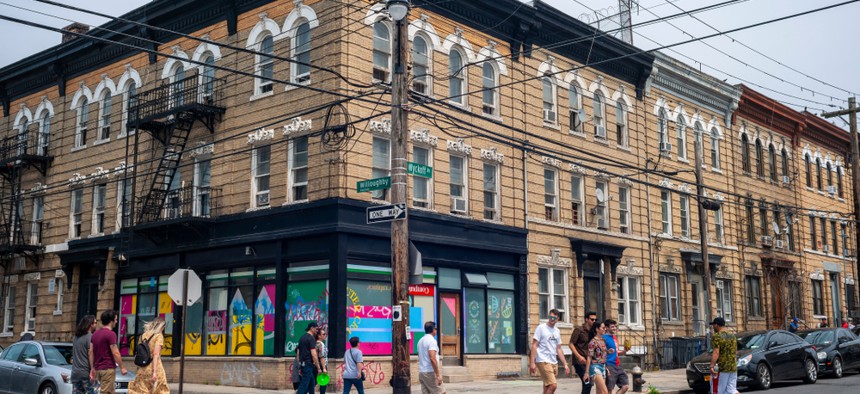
261	134
723	273
381	126
669	267
577	169
685	188
555	259
623	181
816	275
38	188
118	170
601	174
666	183
297	125
459	146
423	136
99	174
492	155
552	161
77	179
203	149
630	269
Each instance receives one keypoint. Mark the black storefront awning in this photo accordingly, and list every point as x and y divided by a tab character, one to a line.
95	256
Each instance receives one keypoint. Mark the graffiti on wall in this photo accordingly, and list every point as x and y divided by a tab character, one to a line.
264	321
240	325
306	302
373	371
240	374
368	314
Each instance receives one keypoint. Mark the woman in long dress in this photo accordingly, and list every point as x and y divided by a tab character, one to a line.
151	379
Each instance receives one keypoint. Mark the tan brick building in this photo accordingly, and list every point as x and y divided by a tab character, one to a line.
559	181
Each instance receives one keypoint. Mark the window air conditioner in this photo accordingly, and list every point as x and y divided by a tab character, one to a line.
831	189
767	240
458	205
665	147
786	179
780	244
826	249
549	115
600	131
720	284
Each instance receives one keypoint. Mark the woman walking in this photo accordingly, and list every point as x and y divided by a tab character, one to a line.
151	379
322	353
83	374
595	364
353	363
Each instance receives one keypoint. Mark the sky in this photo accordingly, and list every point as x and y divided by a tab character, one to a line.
815	44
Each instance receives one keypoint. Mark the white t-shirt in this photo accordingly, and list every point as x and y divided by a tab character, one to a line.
425	345
548	340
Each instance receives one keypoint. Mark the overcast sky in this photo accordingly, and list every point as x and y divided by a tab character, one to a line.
815	44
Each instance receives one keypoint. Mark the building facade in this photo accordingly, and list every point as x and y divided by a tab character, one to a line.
235	138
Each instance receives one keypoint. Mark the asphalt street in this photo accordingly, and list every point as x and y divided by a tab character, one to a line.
850	383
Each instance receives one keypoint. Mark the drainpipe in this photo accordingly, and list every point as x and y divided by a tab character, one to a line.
525	190
651	256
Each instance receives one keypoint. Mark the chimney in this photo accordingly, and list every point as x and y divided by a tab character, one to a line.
76	27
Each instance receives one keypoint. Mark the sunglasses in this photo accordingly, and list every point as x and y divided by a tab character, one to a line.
592	319
551	317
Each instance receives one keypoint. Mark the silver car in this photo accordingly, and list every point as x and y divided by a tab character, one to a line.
44	368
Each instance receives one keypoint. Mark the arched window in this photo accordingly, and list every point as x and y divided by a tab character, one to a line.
745	154
818	178
663	131
265	64
104	115
785	167
83	120
715	149
44	134
179	91
489	83
129	93
420	65
808	164
681	137
839	182
759	158
208	78
829	175
302	54
621	123
574	102
549	108
456	77
697	139
381	52
772	156
599	115
23	131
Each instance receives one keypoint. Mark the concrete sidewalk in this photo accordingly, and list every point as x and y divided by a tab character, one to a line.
668	382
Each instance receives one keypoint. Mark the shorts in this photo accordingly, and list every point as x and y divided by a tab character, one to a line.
727	383
429	384
597	369
86	387
548	372
106	378
617	377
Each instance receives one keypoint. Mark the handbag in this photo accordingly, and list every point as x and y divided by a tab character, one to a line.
361	376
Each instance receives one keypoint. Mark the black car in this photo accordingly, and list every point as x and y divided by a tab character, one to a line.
838	349
763	357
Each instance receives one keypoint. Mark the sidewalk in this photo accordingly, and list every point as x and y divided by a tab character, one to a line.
668	382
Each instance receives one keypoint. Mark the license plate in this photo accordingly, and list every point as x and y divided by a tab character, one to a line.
117	385
707	378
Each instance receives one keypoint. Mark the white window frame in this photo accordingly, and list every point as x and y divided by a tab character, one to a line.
681	137
304	77
257	177
82	121
37	220
377	169
666	211
662	130
23	135
490	90
552	292
76	216
621	124
599	108
44	137
120	212
426	202
427	65
379	50
684	211
725	299
550	108
627	302
32	304
9	309
263	87
715	150
61	296
206	78
719	225
575	104
577	206
105	107
129	90
292	183
754	298
670	282
817	294
550	184
463	185
201	190
493	213
624	225
458	76
177	95
99	203
601	210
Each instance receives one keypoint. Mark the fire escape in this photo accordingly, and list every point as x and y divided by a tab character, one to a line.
169	113
18	154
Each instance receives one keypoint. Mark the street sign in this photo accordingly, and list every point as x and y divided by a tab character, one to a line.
418	169
385	213
175	285
373	184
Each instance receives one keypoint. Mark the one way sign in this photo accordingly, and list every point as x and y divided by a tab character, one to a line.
386	213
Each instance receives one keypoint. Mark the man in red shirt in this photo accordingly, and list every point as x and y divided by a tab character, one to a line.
106	354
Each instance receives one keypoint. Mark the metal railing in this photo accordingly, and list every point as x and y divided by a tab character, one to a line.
187	202
173	97
21	233
677	351
20	145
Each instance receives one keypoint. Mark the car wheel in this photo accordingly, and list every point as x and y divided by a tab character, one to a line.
811	371
837	368
48	388
764	377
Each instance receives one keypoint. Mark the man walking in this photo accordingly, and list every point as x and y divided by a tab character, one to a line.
616	375
725	357
579	348
307	355
106	354
546	351
429	374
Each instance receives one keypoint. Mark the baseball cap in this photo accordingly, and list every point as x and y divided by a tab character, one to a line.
719	321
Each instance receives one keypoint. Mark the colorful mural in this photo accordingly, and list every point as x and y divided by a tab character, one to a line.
306	302
368	314
240	324
216	322
264	321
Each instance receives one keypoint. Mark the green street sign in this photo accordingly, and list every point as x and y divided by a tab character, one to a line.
373	184
417	169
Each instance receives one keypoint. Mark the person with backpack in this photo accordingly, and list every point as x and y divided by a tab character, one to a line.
150	378
83	373
353	364
106	353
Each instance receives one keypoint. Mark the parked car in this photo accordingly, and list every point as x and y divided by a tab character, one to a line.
43	368
763	358
838	349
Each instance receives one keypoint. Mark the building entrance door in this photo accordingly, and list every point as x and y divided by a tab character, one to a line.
835	299
88	297
696	300
593	296
449	327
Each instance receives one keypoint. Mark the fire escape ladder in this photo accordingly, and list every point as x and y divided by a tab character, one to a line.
175	141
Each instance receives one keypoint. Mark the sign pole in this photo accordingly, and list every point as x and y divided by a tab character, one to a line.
182	331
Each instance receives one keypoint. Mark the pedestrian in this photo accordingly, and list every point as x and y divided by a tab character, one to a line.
616	375
725	357
307	355
106	353
151	378
579	349
429	374
823	323
546	351
795	325
322	354
353	366
595	363
83	374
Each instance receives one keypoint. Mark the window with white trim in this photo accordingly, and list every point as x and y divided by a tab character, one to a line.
577	203
422	188
82	122
458	186
629	305
552	292
601	208
663	132
265	65
45	135
621	123
61	295
38	220
549	101
759	158
456	77
773	164
550	186
574	104
681	137
381	165
715	150
128	102
99	196
421	54
299	169
381	52
177	86
666	211
261	161
23	135
202	189
123	203
786	169
489	93
301	69
207	78
32	304
754	305
104	115
624	209
670	303
76	213
9	309
745	154
719	228
491	191
724	299
684	205
817	297
839	182
599	115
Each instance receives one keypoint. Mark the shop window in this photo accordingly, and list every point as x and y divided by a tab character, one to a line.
475	319
142	300
368	315
449	278
307	301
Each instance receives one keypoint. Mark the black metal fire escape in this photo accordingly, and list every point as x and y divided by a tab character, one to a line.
169	113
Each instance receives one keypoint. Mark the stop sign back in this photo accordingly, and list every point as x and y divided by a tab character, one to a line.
176	283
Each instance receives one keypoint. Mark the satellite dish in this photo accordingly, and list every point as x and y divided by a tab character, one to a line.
600	196
775	228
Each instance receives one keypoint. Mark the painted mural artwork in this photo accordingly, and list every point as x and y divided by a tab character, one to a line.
500	321
127	321
142	300
476	328
306	302
240	325
193	326
368	314
264	321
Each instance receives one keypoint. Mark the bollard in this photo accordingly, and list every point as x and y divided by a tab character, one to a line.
638	382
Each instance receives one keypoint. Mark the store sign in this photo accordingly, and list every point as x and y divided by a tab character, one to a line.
422	290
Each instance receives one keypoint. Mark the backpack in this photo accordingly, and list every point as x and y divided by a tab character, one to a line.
142	354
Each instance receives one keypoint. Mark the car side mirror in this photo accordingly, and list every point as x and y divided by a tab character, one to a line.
31	362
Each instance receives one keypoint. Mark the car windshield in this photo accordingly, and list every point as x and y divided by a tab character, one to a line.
58	354
818	337
753	341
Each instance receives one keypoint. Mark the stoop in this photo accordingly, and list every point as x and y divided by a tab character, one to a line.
455	374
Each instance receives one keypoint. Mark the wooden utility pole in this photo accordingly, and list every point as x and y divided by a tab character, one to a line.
703	234
855	168
401	378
